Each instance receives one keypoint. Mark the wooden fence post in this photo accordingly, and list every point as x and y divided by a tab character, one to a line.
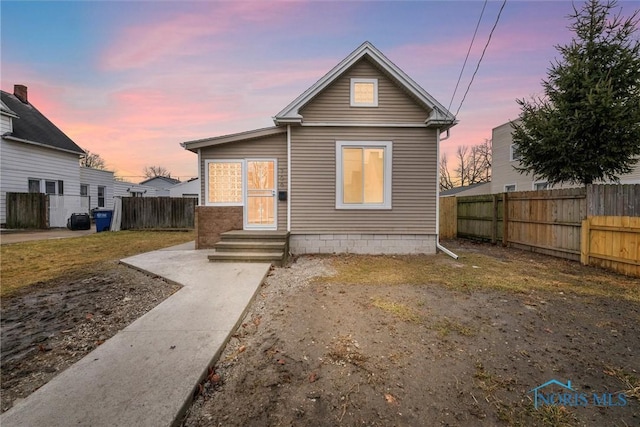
505	219
584	242
494	220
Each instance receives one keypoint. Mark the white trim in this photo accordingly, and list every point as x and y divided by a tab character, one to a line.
245	185
515	187
541	181
206	181
388	174
39	144
200	176
368	125
289	178
352	85
511	158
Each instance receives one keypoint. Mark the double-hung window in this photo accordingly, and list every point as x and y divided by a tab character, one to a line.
224	183
363	175
101	195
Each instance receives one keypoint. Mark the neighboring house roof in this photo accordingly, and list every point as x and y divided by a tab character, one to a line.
32	127
241	136
6	110
457	190
440	116
164	180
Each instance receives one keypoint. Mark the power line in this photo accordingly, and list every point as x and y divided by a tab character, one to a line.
468	52
481	56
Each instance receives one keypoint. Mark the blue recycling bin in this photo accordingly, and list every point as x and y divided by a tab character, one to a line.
103	220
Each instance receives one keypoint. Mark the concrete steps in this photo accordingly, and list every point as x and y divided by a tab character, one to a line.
252	246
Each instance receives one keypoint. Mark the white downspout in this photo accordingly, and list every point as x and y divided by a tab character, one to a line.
289	178
438	245
202	179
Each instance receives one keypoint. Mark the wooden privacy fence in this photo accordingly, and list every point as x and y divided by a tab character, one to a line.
158	212
448	214
27	210
612	242
548	221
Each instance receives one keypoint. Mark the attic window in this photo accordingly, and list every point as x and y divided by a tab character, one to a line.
364	92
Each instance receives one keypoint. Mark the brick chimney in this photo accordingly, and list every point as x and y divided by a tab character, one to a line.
20	91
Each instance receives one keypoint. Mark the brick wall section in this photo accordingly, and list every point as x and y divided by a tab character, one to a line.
301	244
211	221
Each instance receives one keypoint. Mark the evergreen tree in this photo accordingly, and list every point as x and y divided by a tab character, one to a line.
587	125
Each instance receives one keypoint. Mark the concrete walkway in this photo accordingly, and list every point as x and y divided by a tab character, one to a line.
147	373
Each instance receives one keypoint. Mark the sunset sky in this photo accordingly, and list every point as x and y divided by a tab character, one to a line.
130	80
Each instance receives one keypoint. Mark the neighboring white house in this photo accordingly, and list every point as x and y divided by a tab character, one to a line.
129	189
504	178
162	184
36	156
97	185
190	188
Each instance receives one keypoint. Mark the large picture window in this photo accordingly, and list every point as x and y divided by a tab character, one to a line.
363	175
224	182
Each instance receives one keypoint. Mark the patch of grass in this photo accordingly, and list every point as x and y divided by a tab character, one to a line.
473	271
446	326
630	381
488	382
554	416
401	311
24	264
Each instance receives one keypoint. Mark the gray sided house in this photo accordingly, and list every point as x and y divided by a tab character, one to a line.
351	165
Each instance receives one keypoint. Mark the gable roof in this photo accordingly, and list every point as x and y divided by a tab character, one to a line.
166	179
32	127
440	116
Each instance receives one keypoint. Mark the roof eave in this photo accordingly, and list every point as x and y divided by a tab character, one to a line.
26	141
193	146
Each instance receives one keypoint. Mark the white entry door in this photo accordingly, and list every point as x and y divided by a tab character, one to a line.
260	202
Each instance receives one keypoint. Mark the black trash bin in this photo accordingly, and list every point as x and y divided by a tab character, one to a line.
79	221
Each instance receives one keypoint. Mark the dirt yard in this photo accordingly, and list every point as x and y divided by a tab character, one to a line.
49	326
326	353
375	341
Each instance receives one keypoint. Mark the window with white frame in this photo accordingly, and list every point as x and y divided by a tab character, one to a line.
514	154
510	188
50	187
34	185
84	190
364	92
101	195
540	185
363	175
224	182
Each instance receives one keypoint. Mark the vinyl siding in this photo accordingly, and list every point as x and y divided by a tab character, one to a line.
6	125
274	146
313	178
94	178
503	172
394	104
20	161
